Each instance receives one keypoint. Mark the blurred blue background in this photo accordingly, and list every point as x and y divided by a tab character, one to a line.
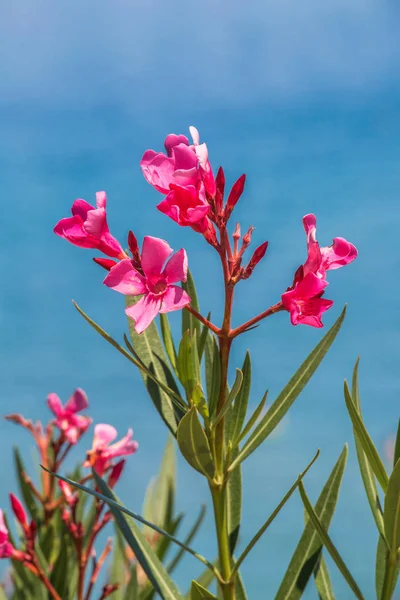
304	98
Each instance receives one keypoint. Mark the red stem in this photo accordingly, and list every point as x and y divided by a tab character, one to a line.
270	311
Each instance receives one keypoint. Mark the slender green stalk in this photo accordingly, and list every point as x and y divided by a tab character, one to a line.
390	577
220	513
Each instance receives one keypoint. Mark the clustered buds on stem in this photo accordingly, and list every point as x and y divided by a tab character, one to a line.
53	450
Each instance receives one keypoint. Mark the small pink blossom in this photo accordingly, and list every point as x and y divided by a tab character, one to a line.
184	164
155	284
6	549
186	206
71	424
87	228
304	298
101	454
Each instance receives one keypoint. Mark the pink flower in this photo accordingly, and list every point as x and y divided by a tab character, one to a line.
155	284
304	298
102	453
183	165
71	424
87	228
186	206
6	549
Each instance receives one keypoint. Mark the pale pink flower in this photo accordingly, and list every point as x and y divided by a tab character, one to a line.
87	228
102	452
186	206
6	549
304	298
184	164
67	420
155	284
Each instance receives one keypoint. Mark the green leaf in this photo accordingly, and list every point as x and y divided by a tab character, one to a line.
241	402
367	474
198	592
143	551
200	402
189	322
323	581
290	392
62	566
111	499
366	443
234	506
213	373
329	545
132	589
188	363
188	539
230	397
396	455
194	445
203	338
252	421
382	557
150	350
274	514
391	512
205	579
239	588
168	341
26	492
309	549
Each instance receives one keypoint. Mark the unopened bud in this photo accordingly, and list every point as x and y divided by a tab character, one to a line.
106	263
18	510
235	193
236	234
247	238
133	244
258	254
116	473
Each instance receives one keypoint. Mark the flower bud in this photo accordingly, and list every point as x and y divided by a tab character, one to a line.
258	254
18	510
116	473
106	263
235	193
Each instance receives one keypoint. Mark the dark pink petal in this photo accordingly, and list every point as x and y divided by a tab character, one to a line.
173	140
125	279
176	268
341	253
154	254
54	403
103	435
144	312
310	312
81	208
71	228
310	286
185	158
174	298
314	259
77	402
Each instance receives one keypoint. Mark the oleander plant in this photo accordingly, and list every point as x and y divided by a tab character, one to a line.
203	401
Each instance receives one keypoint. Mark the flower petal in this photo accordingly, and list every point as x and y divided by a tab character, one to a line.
77	402
103	435
195	135
338	255
54	404
144	312
176	268
124	446
154	254
96	222
174	298
101	200
81	208
125	279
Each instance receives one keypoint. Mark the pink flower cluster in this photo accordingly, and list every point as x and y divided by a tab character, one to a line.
194	198
304	299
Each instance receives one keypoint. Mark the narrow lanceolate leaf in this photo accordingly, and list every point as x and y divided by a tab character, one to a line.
367	473
308	551
150	350
205	579
151	367
396	454
241	402
188	363
111	499
132	590
323	581
391	512
290	392
194	445
198	592
252	421
230	397
189	322
205	333
273	515
213	373
366	443
168	341
382	557
143	551
240	590
234	505
329	545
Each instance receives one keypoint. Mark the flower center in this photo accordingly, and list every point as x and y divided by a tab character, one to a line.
157	286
